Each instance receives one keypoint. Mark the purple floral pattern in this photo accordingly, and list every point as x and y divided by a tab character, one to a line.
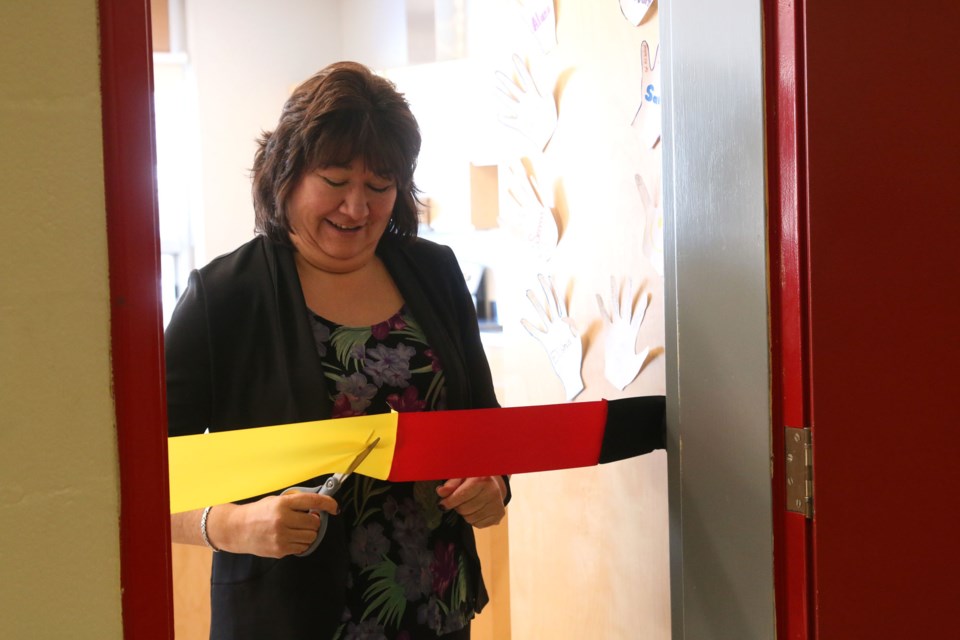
389	367
409	577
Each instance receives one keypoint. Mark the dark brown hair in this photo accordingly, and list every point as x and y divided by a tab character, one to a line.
343	112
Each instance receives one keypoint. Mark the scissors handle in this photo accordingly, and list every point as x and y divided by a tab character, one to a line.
328	488
331	486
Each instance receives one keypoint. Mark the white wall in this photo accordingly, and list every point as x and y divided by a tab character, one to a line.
247	57
374	32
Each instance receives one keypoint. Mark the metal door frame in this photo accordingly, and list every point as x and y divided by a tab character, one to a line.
717	327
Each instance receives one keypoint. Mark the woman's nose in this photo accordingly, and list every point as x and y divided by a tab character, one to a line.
355	201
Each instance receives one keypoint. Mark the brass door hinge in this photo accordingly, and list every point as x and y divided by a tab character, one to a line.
799	471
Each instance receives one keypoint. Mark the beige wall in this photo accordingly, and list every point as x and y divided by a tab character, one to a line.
59	500
589	548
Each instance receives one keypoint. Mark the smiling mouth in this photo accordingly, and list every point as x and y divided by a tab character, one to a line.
340	227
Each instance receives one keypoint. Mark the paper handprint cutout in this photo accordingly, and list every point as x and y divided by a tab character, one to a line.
558	336
523	107
635	10
648	113
532	220
622	362
653	227
541	21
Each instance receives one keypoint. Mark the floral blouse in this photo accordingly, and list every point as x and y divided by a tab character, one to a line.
408	572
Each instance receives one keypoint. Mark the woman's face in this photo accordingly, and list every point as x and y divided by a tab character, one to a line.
337	215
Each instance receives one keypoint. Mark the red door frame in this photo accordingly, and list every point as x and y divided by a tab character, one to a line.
862	141
786	204
126	76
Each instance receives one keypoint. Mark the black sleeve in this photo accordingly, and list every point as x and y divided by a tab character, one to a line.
188	363
478	369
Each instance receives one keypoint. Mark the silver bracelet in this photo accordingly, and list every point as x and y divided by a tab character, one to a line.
203	529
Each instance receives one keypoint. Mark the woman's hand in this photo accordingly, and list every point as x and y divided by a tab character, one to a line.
478	500
272	527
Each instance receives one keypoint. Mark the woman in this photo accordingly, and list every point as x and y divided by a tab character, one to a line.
335	309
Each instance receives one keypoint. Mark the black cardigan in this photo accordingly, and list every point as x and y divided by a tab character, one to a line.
240	353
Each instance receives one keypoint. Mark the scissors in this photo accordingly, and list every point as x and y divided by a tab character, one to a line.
329	488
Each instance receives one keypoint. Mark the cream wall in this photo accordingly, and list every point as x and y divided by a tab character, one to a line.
59	492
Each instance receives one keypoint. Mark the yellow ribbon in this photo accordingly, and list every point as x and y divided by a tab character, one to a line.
214	468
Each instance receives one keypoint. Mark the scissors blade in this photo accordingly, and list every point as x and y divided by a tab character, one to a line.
360	458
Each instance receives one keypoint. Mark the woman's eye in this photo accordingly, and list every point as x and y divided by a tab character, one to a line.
378	189
333	183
